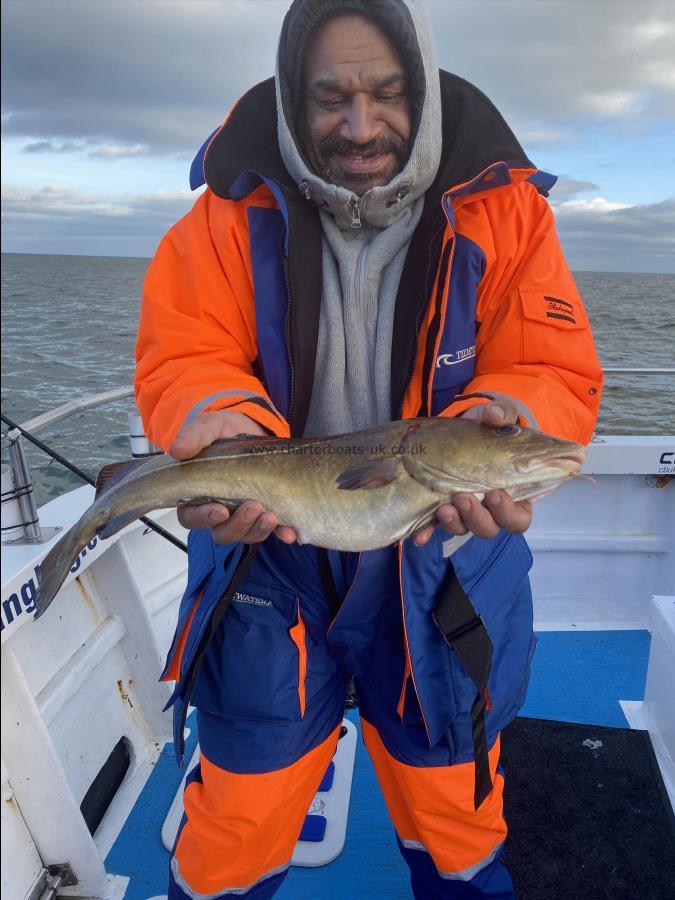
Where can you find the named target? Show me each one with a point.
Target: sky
(105, 103)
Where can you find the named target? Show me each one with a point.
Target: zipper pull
(356, 212)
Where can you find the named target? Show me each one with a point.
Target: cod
(353, 492)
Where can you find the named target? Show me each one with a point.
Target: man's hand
(249, 523)
(498, 510)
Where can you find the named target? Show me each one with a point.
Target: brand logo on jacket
(452, 359)
(241, 597)
(559, 309)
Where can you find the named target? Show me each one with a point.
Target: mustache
(334, 145)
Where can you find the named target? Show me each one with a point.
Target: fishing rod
(57, 457)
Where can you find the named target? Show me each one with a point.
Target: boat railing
(20, 520)
(52, 416)
(626, 370)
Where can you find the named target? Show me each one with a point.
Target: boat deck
(577, 676)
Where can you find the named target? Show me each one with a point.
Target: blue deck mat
(576, 677)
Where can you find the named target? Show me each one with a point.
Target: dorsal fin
(114, 472)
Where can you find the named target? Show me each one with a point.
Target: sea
(69, 326)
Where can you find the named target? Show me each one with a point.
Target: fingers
(208, 427)
(449, 520)
(466, 514)
(286, 534)
(250, 523)
(501, 411)
(498, 511)
(514, 517)
(192, 438)
(206, 515)
(475, 517)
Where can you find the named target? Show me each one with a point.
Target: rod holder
(20, 497)
(12, 529)
(140, 445)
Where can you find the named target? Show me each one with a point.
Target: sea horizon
(128, 256)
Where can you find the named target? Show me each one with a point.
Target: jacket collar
(475, 136)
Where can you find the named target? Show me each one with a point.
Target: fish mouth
(569, 462)
(547, 471)
(537, 490)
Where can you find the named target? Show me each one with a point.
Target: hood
(407, 27)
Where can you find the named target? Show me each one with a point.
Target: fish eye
(507, 430)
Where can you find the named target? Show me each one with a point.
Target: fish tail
(54, 568)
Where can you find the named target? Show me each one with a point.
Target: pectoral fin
(370, 475)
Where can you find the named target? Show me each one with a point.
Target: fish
(353, 492)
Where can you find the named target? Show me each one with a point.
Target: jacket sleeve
(534, 340)
(196, 342)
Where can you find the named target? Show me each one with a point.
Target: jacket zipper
(355, 204)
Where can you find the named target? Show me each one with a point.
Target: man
(383, 253)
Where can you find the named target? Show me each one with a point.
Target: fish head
(451, 455)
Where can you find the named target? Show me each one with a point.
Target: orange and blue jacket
(486, 304)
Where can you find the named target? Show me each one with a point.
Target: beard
(329, 167)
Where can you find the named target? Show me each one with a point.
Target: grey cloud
(120, 151)
(159, 74)
(90, 148)
(58, 219)
(163, 73)
(565, 188)
(544, 62)
(633, 239)
(594, 233)
(53, 147)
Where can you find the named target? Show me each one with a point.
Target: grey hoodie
(365, 240)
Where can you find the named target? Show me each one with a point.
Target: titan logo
(452, 359)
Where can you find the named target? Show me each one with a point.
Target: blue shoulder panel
(267, 235)
(543, 181)
(197, 168)
(454, 365)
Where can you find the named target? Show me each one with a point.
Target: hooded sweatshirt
(365, 239)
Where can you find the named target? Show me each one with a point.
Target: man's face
(356, 111)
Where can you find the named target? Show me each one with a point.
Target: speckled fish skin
(352, 492)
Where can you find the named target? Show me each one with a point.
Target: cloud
(53, 147)
(596, 233)
(608, 236)
(565, 188)
(59, 219)
(89, 148)
(162, 74)
(118, 151)
(593, 206)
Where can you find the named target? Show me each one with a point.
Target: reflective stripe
(466, 874)
(233, 892)
(233, 392)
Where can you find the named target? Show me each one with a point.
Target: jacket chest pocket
(255, 665)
